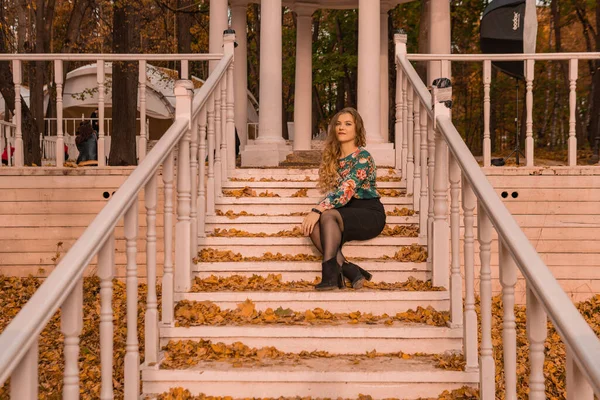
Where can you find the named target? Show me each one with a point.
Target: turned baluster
(218, 138)
(417, 152)
(456, 301)
(194, 188)
(210, 181)
(24, 379)
(19, 157)
(487, 141)
(132, 354)
(487, 374)
(151, 317)
(201, 207)
(143, 143)
(106, 268)
(529, 107)
(424, 197)
(71, 326)
(101, 139)
(224, 161)
(578, 387)
(470, 315)
(60, 141)
(572, 145)
(508, 279)
(168, 279)
(404, 129)
(536, 333)
(410, 163)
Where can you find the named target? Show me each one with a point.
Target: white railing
(70, 125)
(202, 120)
(7, 140)
(100, 60)
(430, 149)
(529, 60)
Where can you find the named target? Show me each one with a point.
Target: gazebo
(270, 148)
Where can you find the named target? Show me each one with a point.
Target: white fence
(203, 123)
(436, 162)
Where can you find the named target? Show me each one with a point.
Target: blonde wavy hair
(328, 171)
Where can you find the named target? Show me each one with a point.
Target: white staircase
(405, 366)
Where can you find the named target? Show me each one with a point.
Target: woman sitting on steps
(351, 210)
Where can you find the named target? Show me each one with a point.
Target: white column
(384, 73)
(270, 148)
(439, 37)
(218, 23)
(369, 85)
(271, 102)
(239, 24)
(303, 95)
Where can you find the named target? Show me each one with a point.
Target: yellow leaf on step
(309, 315)
(246, 309)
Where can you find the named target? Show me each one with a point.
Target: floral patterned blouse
(358, 174)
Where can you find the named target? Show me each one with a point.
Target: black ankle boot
(355, 274)
(331, 276)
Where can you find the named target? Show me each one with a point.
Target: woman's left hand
(309, 223)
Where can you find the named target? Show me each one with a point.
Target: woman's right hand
(309, 223)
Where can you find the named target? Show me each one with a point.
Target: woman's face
(345, 128)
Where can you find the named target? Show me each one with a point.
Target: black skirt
(363, 219)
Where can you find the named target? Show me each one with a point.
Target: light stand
(517, 149)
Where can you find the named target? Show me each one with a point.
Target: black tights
(327, 236)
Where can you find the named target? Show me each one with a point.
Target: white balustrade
(184, 91)
(424, 196)
(106, 266)
(470, 315)
(417, 154)
(194, 188)
(529, 71)
(572, 143)
(487, 141)
(17, 80)
(210, 180)
(101, 89)
(71, 326)
(63, 288)
(218, 138)
(143, 143)
(231, 152)
(462, 172)
(487, 374)
(508, 279)
(223, 132)
(60, 143)
(410, 158)
(456, 301)
(404, 151)
(168, 280)
(151, 346)
(400, 45)
(201, 207)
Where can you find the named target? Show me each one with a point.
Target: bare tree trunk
(421, 66)
(125, 85)
(184, 24)
(594, 132)
(340, 102)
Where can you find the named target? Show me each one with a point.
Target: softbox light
(509, 26)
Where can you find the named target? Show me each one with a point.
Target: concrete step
(385, 271)
(347, 300)
(339, 338)
(318, 377)
(256, 246)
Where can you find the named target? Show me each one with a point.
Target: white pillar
(271, 75)
(303, 95)
(218, 23)
(369, 64)
(270, 148)
(239, 24)
(439, 37)
(384, 74)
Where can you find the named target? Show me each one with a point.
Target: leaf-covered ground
(398, 230)
(412, 253)
(196, 313)
(14, 292)
(274, 283)
(397, 212)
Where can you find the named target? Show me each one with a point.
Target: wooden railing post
(424, 198)
(508, 279)
(101, 147)
(400, 40)
(218, 137)
(151, 317)
(143, 144)
(487, 374)
(442, 91)
(71, 326)
(168, 279)
(210, 180)
(529, 72)
(470, 315)
(106, 266)
(487, 141)
(183, 261)
(572, 145)
(132, 354)
(60, 141)
(224, 161)
(19, 157)
(410, 157)
(24, 379)
(456, 300)
(228, 48)
(578, 388)
(536, 333)
(417, 152)
(194, 188)
(201, 207)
